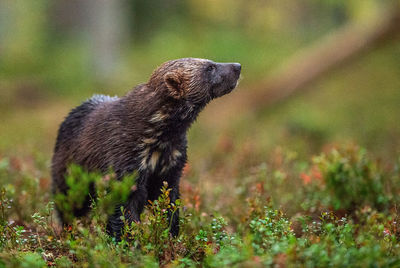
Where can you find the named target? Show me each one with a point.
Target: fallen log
(326, 55)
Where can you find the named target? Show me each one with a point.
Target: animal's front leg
(132, 209)
(173, 216)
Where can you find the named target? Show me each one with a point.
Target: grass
(339, 210)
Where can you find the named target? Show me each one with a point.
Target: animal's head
(196, 80)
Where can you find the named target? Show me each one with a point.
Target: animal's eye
(210, 68)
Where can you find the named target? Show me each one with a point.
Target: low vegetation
(338, 209)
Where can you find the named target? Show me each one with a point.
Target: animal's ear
(174, 84)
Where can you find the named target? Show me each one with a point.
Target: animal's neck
(161, 115)
(174, 118)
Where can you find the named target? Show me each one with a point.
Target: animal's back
(68, 132)
(72, 125)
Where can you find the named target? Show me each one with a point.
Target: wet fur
(143, 131)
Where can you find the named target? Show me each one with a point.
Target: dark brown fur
(143, 131)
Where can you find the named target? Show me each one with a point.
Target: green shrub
(347, 179)
(258, 236)
(152, 233)
(338, 242)
(104, 192)
(271, 233)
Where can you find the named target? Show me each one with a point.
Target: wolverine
(143, 131)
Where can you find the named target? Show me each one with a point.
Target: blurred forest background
(54, 54)
(316, 75)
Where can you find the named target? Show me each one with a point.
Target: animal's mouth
(227, 86)
(220, 90)
(232, 86)
(236, 83)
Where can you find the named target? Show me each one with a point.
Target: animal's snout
(236, 68)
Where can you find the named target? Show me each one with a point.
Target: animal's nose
(237, 67)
